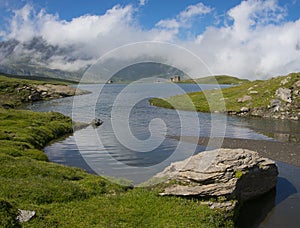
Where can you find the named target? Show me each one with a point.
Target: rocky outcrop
(284, 94)
(283, 103)
(48, 91)
(236, 174)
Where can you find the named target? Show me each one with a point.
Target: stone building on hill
(175, 79)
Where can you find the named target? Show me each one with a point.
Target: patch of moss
(238, 174)
(8, 214)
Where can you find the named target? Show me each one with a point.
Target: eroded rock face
(233, 173)
(284, 94)
(49, 91)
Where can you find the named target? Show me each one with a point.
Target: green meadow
(70, 197)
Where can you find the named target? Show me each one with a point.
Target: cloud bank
(254, 41)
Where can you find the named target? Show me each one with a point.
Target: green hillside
(220, 79)
(257, 98)
(41, 79)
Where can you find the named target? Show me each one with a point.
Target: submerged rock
(232, 173)
(96, 122)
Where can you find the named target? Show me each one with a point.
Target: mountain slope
(37, 57)
(146, 70)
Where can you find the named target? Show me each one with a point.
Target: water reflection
(273, 208)
(280, 130)
(255, 211)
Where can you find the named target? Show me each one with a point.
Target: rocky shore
(275, 98)
(283, 104)
(15, 92)
(50, 91)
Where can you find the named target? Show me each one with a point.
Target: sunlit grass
(212, 101)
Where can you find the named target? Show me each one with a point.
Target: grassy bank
(15, 91)
(64, 196)
(259, 95)
(70, 197)
(220, 79)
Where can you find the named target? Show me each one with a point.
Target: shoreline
(279, 151)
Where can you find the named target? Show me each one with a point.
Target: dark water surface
(138, 154)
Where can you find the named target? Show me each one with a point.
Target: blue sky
(252, 39)
(149, 13)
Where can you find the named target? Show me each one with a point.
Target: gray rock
(96, 122)
(245, 109)
(285, 81)
(274, 103)
(233, 173)
(244, 99)
(257, 112)
(297, 84)
(25, 216)
(253, 92)
(226, 205)
(35, 96)
(284, 94)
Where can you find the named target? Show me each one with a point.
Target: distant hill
(146, 70)
(221, 79)
(40, 78)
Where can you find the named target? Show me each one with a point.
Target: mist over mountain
(146, 70)
(38, 58)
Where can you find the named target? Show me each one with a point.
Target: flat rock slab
(233, 173)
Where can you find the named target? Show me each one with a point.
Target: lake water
(131, 143)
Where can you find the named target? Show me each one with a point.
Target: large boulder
(232, 173)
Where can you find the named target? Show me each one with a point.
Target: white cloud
(257, 43)
(183, 19)
(252, 14)
(143, 2)
(194, 10)
(169, 24)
